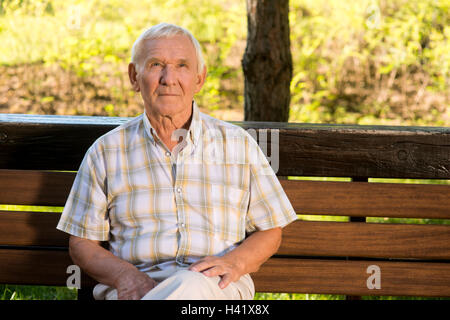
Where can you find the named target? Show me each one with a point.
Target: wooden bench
(40, 155)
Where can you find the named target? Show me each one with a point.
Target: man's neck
(165, 126)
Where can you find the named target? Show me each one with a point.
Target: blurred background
(355, 62)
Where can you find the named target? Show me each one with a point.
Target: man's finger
(225, 281)
(201, 265)
(214, 271)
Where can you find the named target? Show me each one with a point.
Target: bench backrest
(39, 156)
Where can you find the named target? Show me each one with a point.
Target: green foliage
(370, 62)
(93, 39)
(366, 61)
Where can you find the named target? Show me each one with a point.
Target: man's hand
(132, 284)
(212, 266)
(108, 269)
(246, 258)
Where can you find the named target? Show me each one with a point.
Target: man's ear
(132, 74)
(201, 77)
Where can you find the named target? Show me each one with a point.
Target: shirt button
(183, 225)
(168, 153)
(179, 190)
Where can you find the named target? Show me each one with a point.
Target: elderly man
(187, 204)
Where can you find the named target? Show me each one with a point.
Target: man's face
(167, 76)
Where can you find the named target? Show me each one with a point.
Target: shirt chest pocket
(229, 207)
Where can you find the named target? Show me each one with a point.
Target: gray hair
(163, 30)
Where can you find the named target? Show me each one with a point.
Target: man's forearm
(246, 258)
(256, 249)
(96, 261)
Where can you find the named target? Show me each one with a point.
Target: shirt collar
(195, 129)
(148, 128)
(194, 132)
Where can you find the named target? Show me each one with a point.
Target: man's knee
(192, 285)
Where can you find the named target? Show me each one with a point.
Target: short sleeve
(269, 207)
(85, 211)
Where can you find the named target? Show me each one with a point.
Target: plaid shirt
(156, 206)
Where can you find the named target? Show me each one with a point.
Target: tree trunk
(267, 61)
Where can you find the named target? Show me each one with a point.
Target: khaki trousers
(178, 283)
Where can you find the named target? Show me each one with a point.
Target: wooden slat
(31, 187)
(366, 240)
(365, 199)
(301, 238)
(59, 143)
(36, 267)
(350, 277)
(31, 229)
(40, 267)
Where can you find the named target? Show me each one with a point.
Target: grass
(16, 292)
(296, 296)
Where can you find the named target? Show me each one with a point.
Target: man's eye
(155, 64)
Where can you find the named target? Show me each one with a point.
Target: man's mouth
(168, 94)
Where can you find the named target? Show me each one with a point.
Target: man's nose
(168, 76)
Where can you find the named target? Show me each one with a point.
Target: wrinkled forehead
(178, 47)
